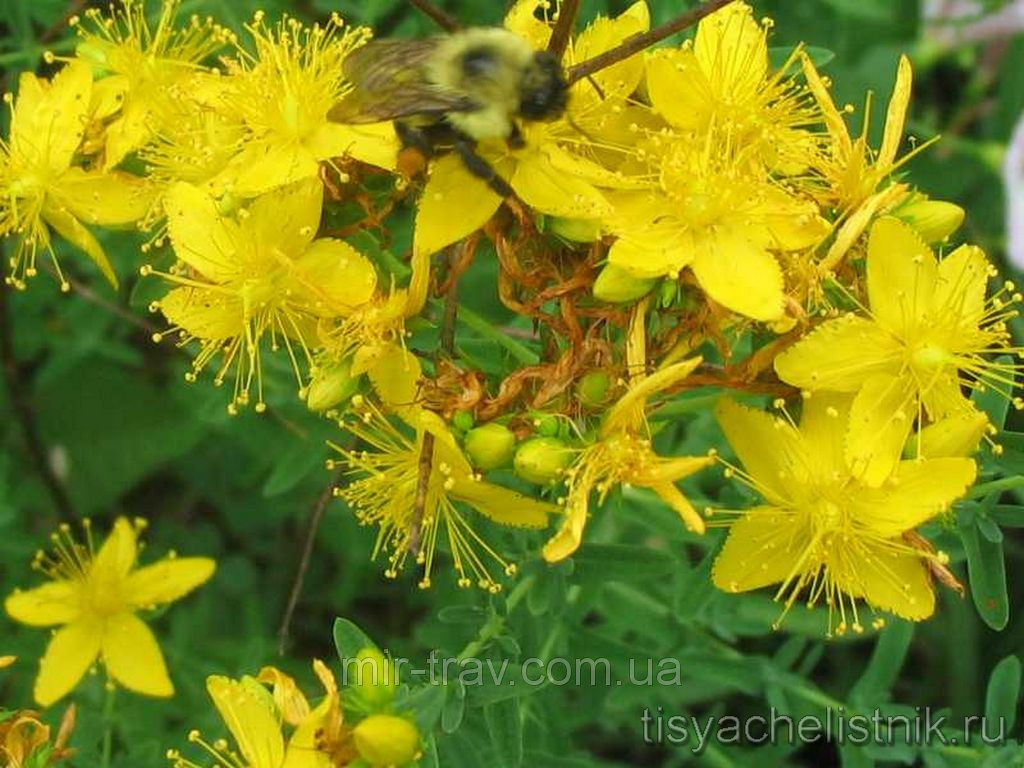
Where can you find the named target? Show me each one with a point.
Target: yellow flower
(94, 597)
(260, 274)
(40, 187)
(558, 171)
(255, 718)
(622, 453)
(385, 481)
(720, 216)
(143, 68)
(282, 93)
(821, 532)
(721, 83)
(928, 333)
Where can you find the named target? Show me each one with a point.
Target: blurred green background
(125, 435)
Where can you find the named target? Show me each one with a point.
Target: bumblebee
(453, 91)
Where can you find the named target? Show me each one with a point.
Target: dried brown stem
(435, 14)
(25, 415)
(315, 519)
(567, 11)
(643, 40)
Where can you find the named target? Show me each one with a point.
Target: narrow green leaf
(886, 661)
(1003, 693)
(991, 400)
(621, 562)
(454, 708)
(349, 639)
(987, 571)
(505, 728)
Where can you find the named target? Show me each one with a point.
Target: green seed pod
(385, 740)
(462, 421)
(376, 678)
(617, 286)
(542, 460)
(546, 425)
(331, 386)
(576, 230)
(490, 446)
(593, 390)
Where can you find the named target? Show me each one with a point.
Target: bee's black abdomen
(545, 92)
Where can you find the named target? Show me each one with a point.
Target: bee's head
(544, 92)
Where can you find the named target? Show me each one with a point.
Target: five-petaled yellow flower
(42, 188)
(821, 533)
(928, 334)
(94, 597)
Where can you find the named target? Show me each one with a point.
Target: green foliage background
(130, 437)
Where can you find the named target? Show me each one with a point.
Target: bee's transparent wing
(390, 83)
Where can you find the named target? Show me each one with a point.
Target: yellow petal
(454, 204)
(108, 199)
(396, 375)
(167, 580)
(603, 34)
(954, 436)
(839, 355)
(739, 275)
(960, 288)
(129, 132)
(653, 250)
(49, 118)
(569, 536)
(678, 88)
(205, 314)
(201, 237)
(896, 115)
(336, 277)
(892, 579)
(502, 505)
(880, 420)
(133, 657)
(919, 491)
(771, 451)
(374, 144)
(731, 49)
(290, 701)
(117, 555)
(546, 180)
(764, 547)
(247, 709)
(70, 653)
(285, 219)
(901, 273)
(672, 496)
(823, 422)
(628, 411)
(264, 165)
(521, 19)
(56, 602)
(72, 230)
(834, 122)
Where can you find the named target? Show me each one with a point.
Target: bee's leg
(515, 139)
(414, 138)
(481, 168)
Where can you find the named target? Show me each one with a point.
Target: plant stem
(496, 623)
(108, 724)
(1002, 484)
(485, 328)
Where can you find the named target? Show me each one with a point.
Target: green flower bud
(376, 678)
(934, 220)
(92, 53)
(593, 389)
(546, 425)
(463, 421)
(577, 230)
(618, 286)
(542, 460)
(385, 741)
(331, 386)
(490, 446)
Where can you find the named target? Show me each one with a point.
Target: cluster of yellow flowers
(699, 217)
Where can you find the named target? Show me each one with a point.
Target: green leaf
(621, 562)
(454, 707)
(462, 614)
(987, 571)
(885, 665)
(505, 728)
(349, 639)
(293, 464)
(425, 702)
(1003, 693)
(992, 401)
